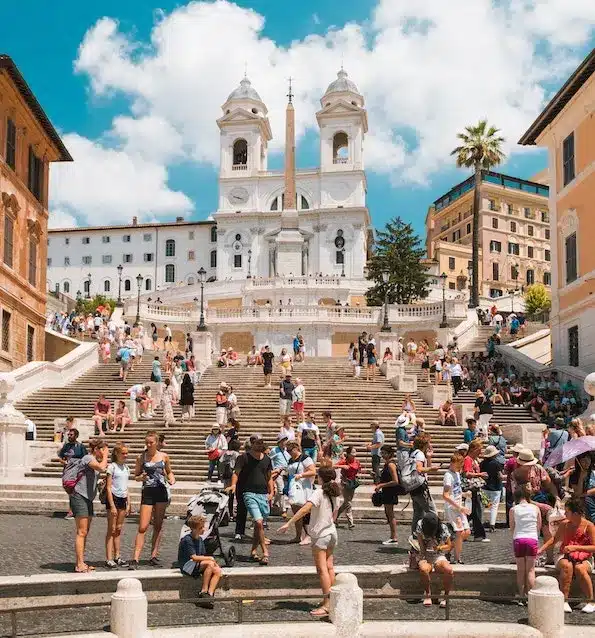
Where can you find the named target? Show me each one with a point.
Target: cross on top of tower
(290, 94)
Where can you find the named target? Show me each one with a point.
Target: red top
(509, 467)
(102, 407)
(469, 465)
(350, 472)
(577, 537)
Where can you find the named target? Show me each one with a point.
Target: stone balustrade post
(13, 431)
(202, 346)
(346, 610)
(129, 607)
(546, 607)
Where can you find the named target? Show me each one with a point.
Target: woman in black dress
(187, 397)
(388, 486)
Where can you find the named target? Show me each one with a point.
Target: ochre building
(28, 143)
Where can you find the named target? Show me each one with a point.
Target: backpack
(73, 473)
(226, 466)
(409, 478)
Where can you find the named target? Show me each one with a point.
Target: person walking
(117, 505)
(388, 488)
(483, 412)
(221, 404)
(374, 449)
(492, 490)
(298, 398)
(525, 523)
(153, 470)
(474, 480)
(280, 459)
(215, 444)
(267, 365)
(350, 467)
(187, 397)
(301, 471)
(420, 497)
(456, 375)
(285, 395)
(371, 359)
(308, 437)
(168, 398)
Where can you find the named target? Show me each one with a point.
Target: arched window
(304, 204)
(106, 285)
(66, 286)
(530, 277)
(148, 284)
(170, 273)
(547, 279)
(170, 248)
(213, 234)
(127, 285)
(213, 259)
(190, 280)
(340, 148)
(275, 204)
(240, 153)
(57, 288)
(87, 287)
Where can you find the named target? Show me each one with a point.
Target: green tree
(397, 251)
(481, 149)
(87, 306)
(537, 300)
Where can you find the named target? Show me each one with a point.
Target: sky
(135, 89)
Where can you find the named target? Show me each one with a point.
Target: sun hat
(462, 447)
(281, 436)
(490, 451)
(518, 447)
(402, 421)
(526, 457)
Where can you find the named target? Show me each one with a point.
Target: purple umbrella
(570, 450)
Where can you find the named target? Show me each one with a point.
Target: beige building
(514, 234)
(28, 143)
(566, 128)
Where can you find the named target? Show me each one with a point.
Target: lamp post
(201, 277)
(89, 288)
(343, 263)
(470, 285)
(139, 281)
(385, 326)
(444, 323)
(79, 295)
(249, 276)
(120, 268)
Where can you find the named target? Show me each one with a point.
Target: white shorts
(457, 520)
(284, 406)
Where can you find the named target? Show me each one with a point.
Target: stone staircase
(478, 343)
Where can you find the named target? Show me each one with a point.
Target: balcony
(239, 167)
(340, 160)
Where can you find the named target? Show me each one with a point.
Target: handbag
(214, 455)
(297, 493)
(234, 413)
(377, 499)
(351, 484)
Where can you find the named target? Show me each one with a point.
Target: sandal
(442, 604)
(427, 602)
(320, 612)
(264, 560)
(254, 558)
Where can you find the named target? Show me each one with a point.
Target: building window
(213, 259)
(170, 273)
(127, 285)
(530, 277)
(456, 235)
(571, 261)
(105, 239)
(30, 343)
(87, 287)
(340, 148)
(240, 153)
(190, 255)
(35, 177)
(451, 263)
(568, 158)
(66, 286)
(11, 144)
(126, 239)
(495, 292)
(513, 249)
(67, 240)
(106, 286)
(8, 239)
(468, 229)
(49, 261)
(513, 227)
(547, 278)
(451, 285)
(530, 252)
(509, 209)
(213, 234)
(545, 216)
(495, 271)
(494, 222)
(573, 359)
(190, 281)
(148, 257)
(127, 258)
(6, 316)
(237, 261)
(304, 203)
(106, 259)
(86, 240)
(514, 272)
(147, 237)
(530, 230)
(495, 246)
(275, 204)
(67, 261)
(527, 212)
(340, 257)
(33, 261)
(547, 233)
(548, 255)
(170, 248)
(190, 234)
(148, 284)
(87, 260)
(491, 204)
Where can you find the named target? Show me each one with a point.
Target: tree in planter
(537, 300)
(86, 306)
(481, 149)
(397, 251)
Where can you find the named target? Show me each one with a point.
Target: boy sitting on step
(193, 560)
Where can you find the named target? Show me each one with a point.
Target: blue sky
(92, 66)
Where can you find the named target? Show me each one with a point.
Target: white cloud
(61, 219)
(426, 69)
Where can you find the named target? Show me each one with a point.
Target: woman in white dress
(301, 471)
(176, 378)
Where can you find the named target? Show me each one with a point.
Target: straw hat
(518, 447)
(526, 457)
(402, 421)
(462, 447)
(490, 451)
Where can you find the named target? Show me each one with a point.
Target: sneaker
(567, 608)
(351, 526)
(485, 540)
(155, 562)
(69, 516)
(589, 608)
(121, 563)
(237, 537)
(390, 541)
(111, 564)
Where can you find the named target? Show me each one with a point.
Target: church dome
(342, 83)
(244, 92)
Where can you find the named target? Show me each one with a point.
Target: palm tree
(481, 149)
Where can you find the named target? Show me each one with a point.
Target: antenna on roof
(245, 69)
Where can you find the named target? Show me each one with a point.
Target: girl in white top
(525, 523)
(301, 471)
(455, 513)
(322, 505)
(117, 505)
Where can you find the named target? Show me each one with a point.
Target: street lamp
(89, 288)
(385, 326)
(79, 295)
(201, 277)
(343, 263)
(249, 276)
(120, 268)
(444, 323)
(139, 282)
(470, 285)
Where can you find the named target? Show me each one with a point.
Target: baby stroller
(213, 504)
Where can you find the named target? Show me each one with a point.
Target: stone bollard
(129, 610)
(546, 607)
(346, 610)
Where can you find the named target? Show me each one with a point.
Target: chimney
(179, 219)
(135, 220)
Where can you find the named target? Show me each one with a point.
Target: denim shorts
(257, 505)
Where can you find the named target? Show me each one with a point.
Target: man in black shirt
(285, 393)
(253, 472)
(267, 359)
(362, 342)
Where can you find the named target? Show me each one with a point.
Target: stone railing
(298, 281)
(466, 331)
(291, 313)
